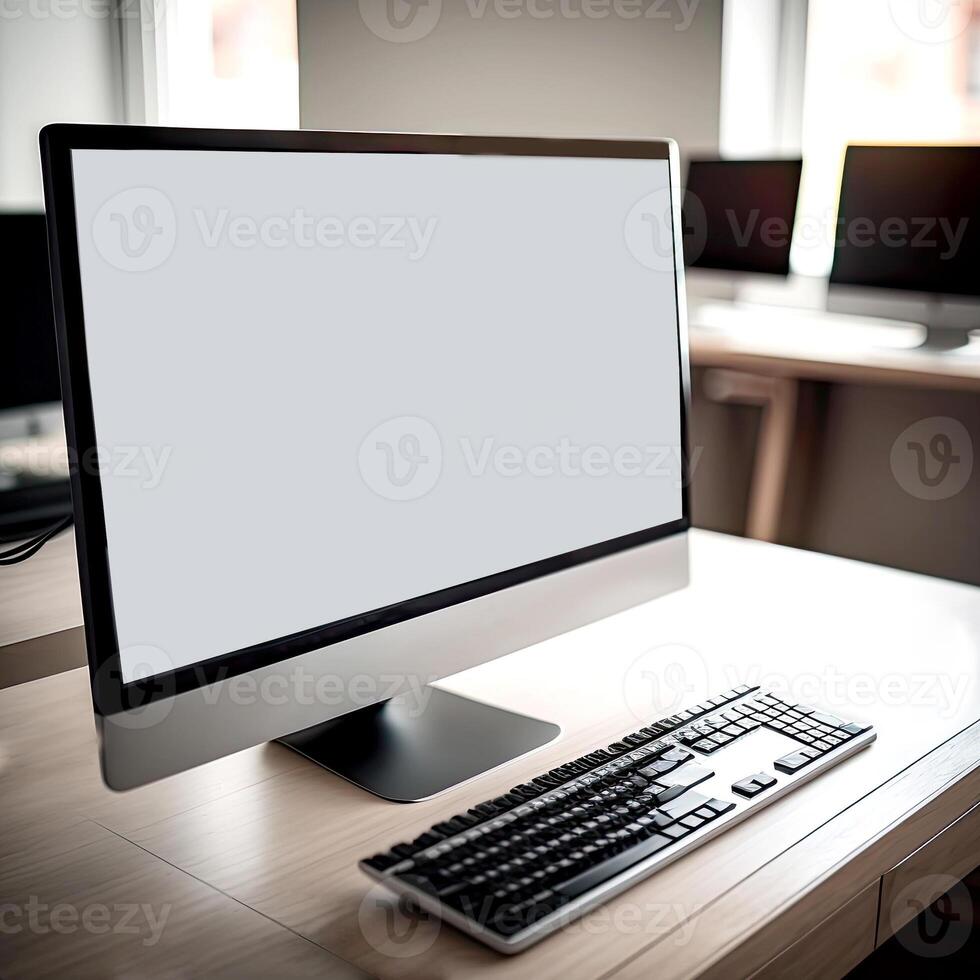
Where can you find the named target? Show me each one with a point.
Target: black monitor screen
(739, 214)
(27, 338)
(909, 218)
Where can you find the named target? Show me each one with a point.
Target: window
(879, 71)
(217, 63)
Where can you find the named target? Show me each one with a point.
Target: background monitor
(909, 219)
(33, 485)
(739, 214)
(400, 402)
(27, 336)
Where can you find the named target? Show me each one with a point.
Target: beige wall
(478, 70)
(847, 501)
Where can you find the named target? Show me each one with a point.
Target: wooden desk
(761, 355)
(252, 858)
(41, 614)
(812, 350)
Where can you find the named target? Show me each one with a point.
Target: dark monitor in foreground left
(33, 489)
(27, 337)
(739, 214)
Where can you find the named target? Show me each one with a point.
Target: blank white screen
(237, 381)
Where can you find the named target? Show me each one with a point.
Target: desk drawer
(924, 875)
(832, 948)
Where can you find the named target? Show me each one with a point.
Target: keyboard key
(683, 805)
(381, 862)
(795, 761)
(832, 721)
(616, 865)
(681, 780)
(753, 785)
(720, 806)
(855, 728)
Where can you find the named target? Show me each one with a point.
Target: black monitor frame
(57, 141)
(33, 382)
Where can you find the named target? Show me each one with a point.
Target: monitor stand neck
(410, 749)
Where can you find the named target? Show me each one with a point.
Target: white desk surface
(811, 345)
(255, 854)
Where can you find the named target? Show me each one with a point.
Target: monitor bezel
(110, 693)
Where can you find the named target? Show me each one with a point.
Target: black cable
(32, 546)
(9, 537)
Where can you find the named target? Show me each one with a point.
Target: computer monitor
(33, 489)
(27, 340)
(908, 222)
(390, 406)
(739, 214)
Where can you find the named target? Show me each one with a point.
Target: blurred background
(836, 378)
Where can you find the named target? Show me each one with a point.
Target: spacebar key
(588, 880)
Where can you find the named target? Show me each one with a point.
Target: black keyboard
(512, 869)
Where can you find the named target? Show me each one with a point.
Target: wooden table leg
(777, 397)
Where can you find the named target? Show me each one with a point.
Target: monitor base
(407, 750)
(945, 338)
